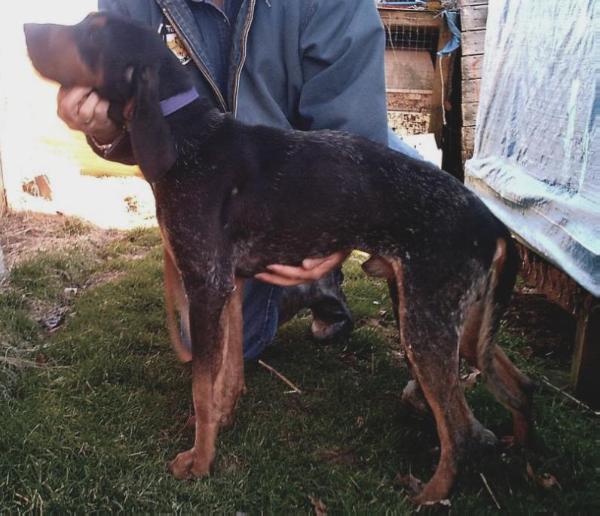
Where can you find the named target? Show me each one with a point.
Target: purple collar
(179, 101)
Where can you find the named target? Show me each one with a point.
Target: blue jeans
(261, 316)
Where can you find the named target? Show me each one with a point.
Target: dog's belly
(252, 258)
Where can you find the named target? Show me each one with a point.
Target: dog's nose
(35, 35)
(32, 30)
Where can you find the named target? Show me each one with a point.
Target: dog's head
(124, 62)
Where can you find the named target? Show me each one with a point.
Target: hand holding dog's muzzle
(82, 109)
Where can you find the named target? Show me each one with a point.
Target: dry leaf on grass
(343, 456)
(470, 380)
(319, 505)
(545, 480)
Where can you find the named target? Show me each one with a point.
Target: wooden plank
(465, 3)
(585, 371)
(473, 42)
(407, 100)
(468, 139)
(471, 67)
(473, 17)
(391, 17)
(471, 91)
(470, 114)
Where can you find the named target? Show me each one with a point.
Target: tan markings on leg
(175, 302)
(216, 388)
(223, 382)
(469, 337)
(485, 345)
(229, 382)
(197, 461)
(512, 388)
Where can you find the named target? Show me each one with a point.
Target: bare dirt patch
(25, 234)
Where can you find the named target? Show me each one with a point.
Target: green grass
(94, 428)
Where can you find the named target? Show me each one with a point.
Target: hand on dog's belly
(311, 269)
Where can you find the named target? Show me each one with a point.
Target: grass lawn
(92, 411)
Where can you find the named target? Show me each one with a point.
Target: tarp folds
(536, 162)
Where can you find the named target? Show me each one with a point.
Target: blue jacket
(303, 64)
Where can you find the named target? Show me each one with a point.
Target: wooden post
(585, 372)
(473, 17)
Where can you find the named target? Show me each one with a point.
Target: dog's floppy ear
(151, 139)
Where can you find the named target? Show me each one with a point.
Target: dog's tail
(497, 293)
(176, 303)
(509, 385)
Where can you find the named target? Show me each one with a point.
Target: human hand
(312, 269)
(83, 110)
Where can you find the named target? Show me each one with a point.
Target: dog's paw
(189, 465)
(431, 495)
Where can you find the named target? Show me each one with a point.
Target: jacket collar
(181, 17)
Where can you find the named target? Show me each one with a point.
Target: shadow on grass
(94, 429)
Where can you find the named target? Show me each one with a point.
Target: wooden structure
(542, 276)
(559, 288)
(423, 83)
(473, 16)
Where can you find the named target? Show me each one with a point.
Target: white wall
(33, 140)
(27, 104)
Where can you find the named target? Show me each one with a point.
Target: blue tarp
(536, 162)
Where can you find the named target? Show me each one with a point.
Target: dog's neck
(180, 101)
(198, 114)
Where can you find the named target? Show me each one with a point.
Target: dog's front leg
(217, 368)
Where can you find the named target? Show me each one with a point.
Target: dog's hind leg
(217, 369)
(509, 385)
(429, 337)
(514, 390)
(379, 267)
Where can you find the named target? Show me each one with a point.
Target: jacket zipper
(197, 61)
(243, 46)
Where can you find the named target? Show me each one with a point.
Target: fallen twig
(545, 381)
(280, 376)
(21, 363)
(485, 483)
(18, 362)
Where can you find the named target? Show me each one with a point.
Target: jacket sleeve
(342, 47)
